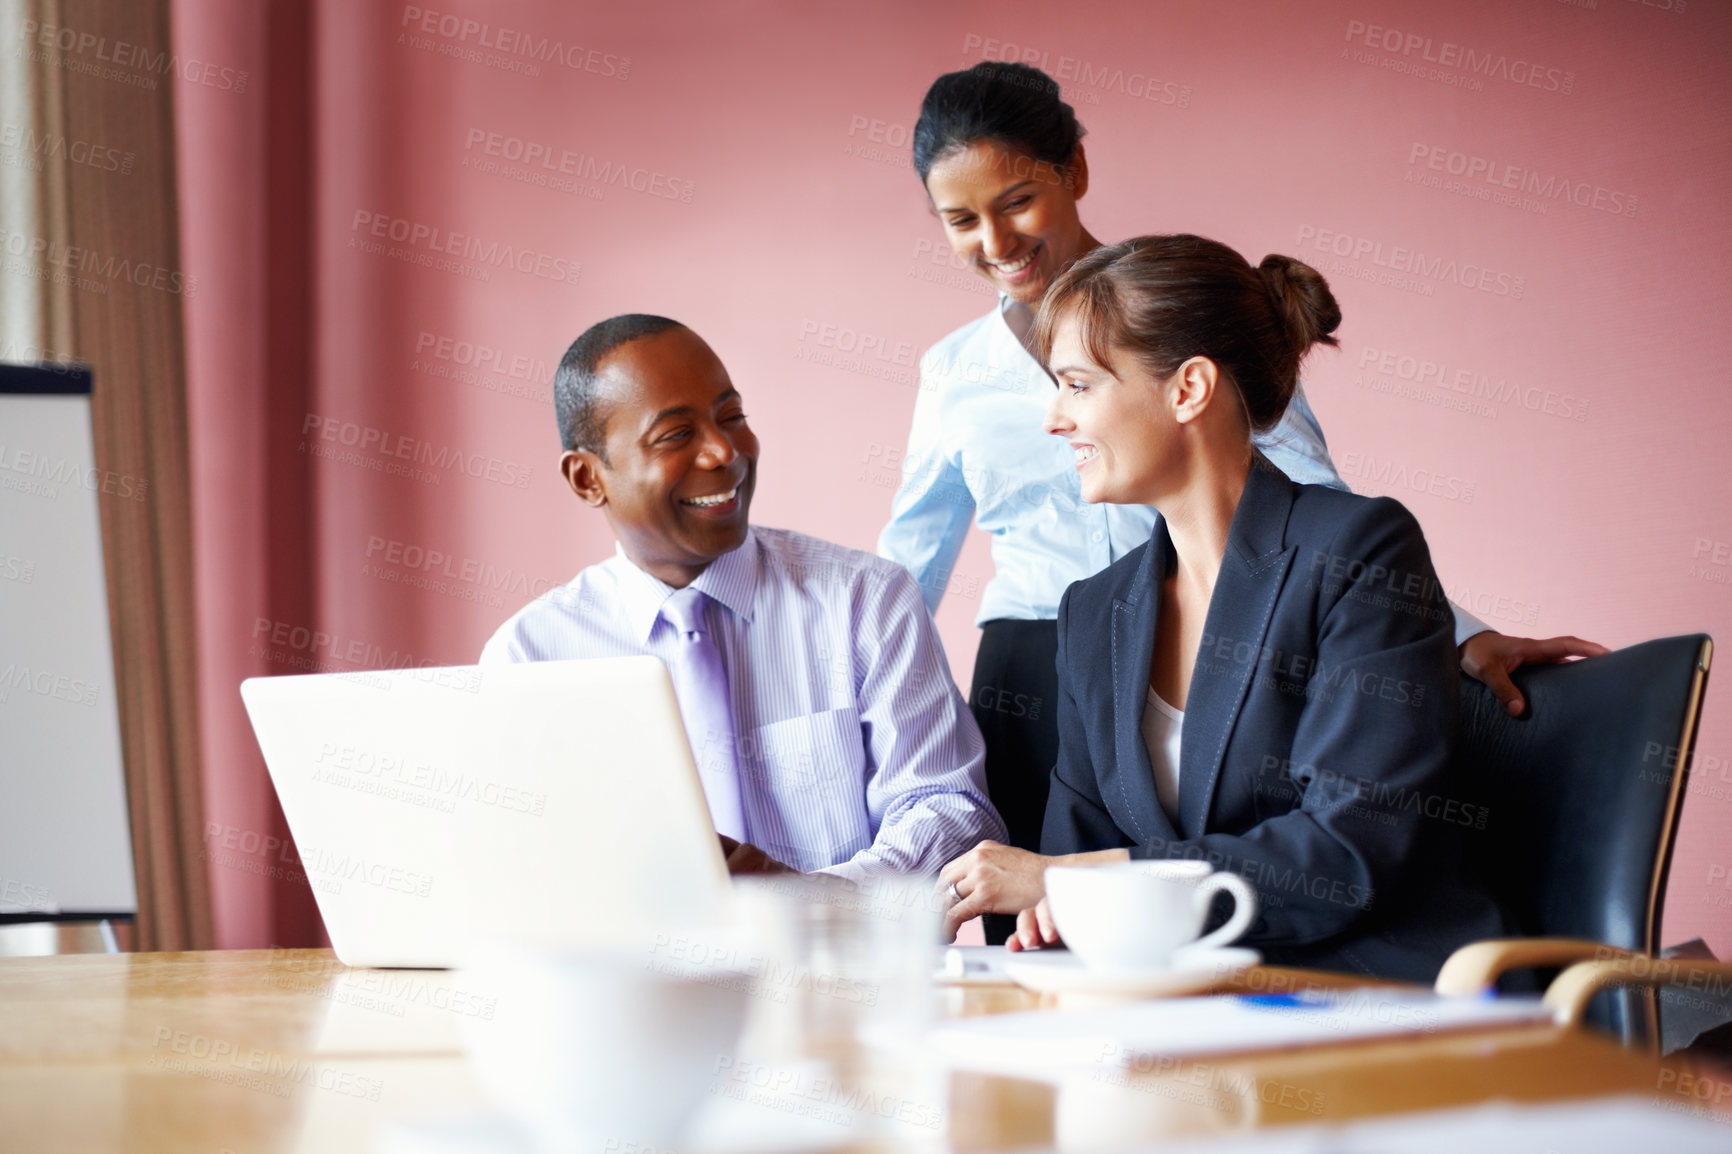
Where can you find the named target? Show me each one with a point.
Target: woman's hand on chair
(1491, 657)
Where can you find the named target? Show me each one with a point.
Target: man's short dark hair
(581, 416)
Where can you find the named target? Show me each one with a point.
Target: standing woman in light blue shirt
(1001, 157)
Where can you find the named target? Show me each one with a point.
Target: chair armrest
(1476, 967)
(1573, 989)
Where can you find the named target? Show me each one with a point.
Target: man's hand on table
(746, 858)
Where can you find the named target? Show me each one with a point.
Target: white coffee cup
(1134, 915)
(592, 1050)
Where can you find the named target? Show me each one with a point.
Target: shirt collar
(1017, 317)
(1018, 322)
(731, 579)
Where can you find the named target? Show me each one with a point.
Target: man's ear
(1194, 386)
(582, 471)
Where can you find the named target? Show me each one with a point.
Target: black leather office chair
(1583, 792)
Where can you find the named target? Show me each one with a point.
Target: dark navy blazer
(1316, 756)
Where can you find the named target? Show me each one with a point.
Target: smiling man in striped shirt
(828, 731)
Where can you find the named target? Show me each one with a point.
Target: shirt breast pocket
(806, 777)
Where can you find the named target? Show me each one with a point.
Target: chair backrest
(1583, 793)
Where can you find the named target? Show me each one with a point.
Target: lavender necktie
(701, 684)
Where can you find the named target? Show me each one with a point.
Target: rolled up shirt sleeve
(925, 781)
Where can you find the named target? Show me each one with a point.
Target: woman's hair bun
(1165, 299)
(1303, 303)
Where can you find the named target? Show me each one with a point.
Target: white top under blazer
(1162, 727)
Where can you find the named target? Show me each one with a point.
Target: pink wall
(223, 238)
(1584, 496)
(243, 188)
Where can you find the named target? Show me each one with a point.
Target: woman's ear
(1194, 386)
(1077, 172)
(582, 472)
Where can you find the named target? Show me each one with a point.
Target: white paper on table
(1596, 1126)
(788, 1115)
(1048, 1043)
(975, 966)
(1625, 1125)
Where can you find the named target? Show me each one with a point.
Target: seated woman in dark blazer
(1269, 684)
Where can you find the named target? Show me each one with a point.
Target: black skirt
(1014, 698)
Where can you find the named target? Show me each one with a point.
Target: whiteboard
(65, 843)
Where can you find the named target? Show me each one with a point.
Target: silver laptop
(549, 802)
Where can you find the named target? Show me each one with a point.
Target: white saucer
(1191, 971)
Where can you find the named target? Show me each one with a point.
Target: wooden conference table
(102, 1053)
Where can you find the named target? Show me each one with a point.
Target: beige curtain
(108, 292)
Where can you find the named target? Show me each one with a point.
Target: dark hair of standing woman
(1014, 104)
(1166, 299)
